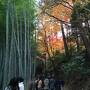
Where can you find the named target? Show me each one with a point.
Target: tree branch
(62, 21)
(57, 3)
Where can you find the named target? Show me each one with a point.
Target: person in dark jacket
(13, 84)
(57, 85)
(52, 83)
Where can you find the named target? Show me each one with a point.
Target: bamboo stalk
(6, 55)
(25, 44)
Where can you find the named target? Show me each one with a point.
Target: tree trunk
(84, 38)
(46, 45)
(65, 41)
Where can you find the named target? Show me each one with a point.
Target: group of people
(48, 83)
(40, 83)
(16, 83)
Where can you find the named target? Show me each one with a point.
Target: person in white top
(39, 84)
(21, 86)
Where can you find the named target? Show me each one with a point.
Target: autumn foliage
(51, 30)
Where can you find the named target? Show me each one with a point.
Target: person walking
(36, 83)
(40, 84)
(57, 84)
(46, 84)
(20, 83)
(13, 84)
(62, 85)
(52, 83)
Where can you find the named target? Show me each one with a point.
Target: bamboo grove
(23, 49)
(16, 58)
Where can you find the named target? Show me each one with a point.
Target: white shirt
(39, 83)
(21, 86)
